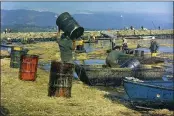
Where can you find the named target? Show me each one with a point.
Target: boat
(90, 41)
(150, 94)
(101, 75)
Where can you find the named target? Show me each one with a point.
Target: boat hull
(150, 93)
(97, 75)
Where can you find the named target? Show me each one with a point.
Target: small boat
(151, 94)
(92, 41)
(101, 75)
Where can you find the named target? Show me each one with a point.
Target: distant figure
(6, 30)
(113, 43)
(93, 37)
(9, 40)
(159, 27)
(153, 47)
(131, 27)
(142, 27)
(124, 46)
(9, 30)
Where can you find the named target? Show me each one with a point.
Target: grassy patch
(24, 98)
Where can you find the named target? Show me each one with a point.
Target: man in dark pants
(112, 60)
(153, 47)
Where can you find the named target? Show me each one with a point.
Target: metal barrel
(139, 53)
(60, 82)
(15, 56)
(132, 63)
(28, 67)
(69, 25)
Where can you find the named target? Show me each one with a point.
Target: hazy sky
(90, 7)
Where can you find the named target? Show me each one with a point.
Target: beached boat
(151, 94)
(100, 75)
(90, 41)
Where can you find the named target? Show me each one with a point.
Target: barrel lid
(60, 62)
(17, 48)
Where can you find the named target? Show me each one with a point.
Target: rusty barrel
(28, 67)
(60, 82)
(15, 56)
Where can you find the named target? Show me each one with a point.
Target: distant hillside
(90, 21)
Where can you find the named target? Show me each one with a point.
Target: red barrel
(28, 67)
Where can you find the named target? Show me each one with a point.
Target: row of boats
(145, 87)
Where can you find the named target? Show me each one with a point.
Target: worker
(93, 37)
(9, 40)
(24, 40)
(153, 47)
(66, 48)
(113, 57)
(6, 30)
(124, 45)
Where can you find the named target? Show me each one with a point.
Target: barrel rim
(55, 61)
(13, 48)
(77, 28)
(30, 55)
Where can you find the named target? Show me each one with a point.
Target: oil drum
(132, 63)
(15, 56)
(69, 26)
(60, 81)
(28, 68)
(139, 53)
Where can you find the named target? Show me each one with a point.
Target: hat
(153, 37)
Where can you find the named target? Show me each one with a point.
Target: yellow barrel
(17, 48)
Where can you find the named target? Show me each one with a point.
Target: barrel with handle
(69, 25)
(15, 56)
(60, 81)
(28, 68)
(132, 63)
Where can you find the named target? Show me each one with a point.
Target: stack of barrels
(61, 74)
(27, 64)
